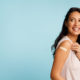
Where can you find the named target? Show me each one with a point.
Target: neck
(73, 38)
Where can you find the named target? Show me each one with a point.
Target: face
(73, 23)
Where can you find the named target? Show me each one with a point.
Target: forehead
(74, 15)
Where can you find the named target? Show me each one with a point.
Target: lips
(76, 28)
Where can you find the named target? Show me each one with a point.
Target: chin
(76, 34)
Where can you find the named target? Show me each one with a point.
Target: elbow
(54, 76)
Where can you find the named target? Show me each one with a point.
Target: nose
(76, 23)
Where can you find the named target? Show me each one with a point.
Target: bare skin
(59, 60)
(76, 48)
(74, 21)
(73, 25)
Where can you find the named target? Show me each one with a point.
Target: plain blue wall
(27, 31)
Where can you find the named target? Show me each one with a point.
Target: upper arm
(60, 57)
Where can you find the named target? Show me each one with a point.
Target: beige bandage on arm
(63, 48)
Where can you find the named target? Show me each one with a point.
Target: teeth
(75, 29)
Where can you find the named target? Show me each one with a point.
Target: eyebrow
(74, 17)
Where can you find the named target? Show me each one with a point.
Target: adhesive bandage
(63, 48)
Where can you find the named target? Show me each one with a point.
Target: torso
(71, 68)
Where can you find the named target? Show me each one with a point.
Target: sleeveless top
(71, 68)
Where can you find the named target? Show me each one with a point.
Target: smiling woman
(73, 23)
(66, 65)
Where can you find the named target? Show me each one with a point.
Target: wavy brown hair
(64, 30)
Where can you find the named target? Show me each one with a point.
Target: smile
(76, 28)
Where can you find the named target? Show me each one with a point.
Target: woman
(66, 64)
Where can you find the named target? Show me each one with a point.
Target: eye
(79, 20)
(71, 20)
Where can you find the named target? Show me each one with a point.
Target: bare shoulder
(64, 47)
(63, 50)
(65, 44)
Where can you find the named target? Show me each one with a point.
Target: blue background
(28, 28)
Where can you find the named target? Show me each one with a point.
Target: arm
(59, 60)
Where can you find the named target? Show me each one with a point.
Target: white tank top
(71, 68)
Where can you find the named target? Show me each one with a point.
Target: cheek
(71, 25)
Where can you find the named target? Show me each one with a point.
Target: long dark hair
(64, 30)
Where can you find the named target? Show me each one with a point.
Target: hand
(76, 48)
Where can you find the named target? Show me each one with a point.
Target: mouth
(76, 29)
